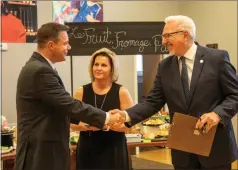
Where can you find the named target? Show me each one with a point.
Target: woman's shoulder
(89, 85)
(83, 87)
(122, 89)
(116, 85)
(79, 92)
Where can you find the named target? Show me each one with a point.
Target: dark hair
(49, 32)
(105, 55)
(4, 8)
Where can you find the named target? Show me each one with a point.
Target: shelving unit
(22, 3)
(26, 11)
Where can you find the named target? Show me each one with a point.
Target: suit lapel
(61, 82)
(38, 56)
(197, 68)
(177, 80)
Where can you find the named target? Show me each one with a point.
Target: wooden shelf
(31, 33)
(21, 3)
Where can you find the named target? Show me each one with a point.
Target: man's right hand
(117, 117)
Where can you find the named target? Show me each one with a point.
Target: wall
(139, 10)
(216, 22)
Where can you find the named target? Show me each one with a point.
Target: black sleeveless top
(102, 149)
(112, 100)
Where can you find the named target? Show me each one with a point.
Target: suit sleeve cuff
(128, 119)
(221, 120)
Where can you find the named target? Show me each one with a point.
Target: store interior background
(216, 22)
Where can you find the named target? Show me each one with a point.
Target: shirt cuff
(128, 119)
(107, 118)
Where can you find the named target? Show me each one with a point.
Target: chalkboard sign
(124, 38)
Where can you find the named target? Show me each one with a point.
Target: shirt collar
(50, 62)
(190, 54)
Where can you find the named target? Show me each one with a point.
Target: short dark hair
(49, 32)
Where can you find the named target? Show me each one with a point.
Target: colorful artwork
(19, 21)
(77, 11)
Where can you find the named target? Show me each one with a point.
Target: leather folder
(184, 137)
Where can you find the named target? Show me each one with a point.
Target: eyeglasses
(168, 35)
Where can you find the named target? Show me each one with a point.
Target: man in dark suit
(44, 107)
(198, 81)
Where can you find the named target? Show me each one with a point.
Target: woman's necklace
(95, 100)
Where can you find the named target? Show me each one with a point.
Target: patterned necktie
(184, 78)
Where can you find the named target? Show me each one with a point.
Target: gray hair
(185, 24)
(113, 61)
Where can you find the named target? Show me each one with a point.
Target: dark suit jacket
(43, 111)
(214, 87)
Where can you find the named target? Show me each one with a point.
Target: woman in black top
(99, 149)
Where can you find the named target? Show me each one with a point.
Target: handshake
(117, 118)
(115, 122)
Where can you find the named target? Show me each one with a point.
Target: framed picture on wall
(77, 11)
(19, 21)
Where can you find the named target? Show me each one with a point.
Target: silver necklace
(95, 100)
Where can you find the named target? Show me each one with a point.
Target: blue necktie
(184, 78)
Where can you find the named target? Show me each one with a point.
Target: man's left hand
(210, 119)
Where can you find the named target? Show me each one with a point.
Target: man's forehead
(63, 35)
(170, 26)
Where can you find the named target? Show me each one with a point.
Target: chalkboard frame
(124, 38)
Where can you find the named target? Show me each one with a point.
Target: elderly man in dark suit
(197, 81)
(44, 107)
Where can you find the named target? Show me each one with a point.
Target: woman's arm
(125, 99)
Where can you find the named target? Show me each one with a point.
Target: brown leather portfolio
(183, 136)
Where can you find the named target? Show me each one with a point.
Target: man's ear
(186, 35)
(50, 45)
